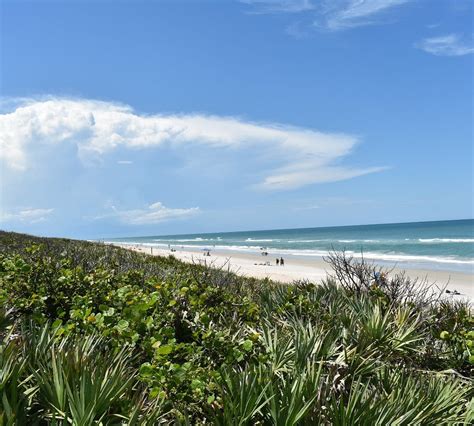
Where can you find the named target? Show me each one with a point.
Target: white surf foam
(385, 257)
(446, 240)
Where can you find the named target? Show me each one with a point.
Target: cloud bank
(446, 45)
(300, 156)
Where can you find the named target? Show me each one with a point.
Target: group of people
(280, 261)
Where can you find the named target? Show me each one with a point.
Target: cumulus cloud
(300, 156)
(26, 215)
(446, 45)
(153, 214)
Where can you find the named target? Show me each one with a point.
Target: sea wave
(342, 241)
(395, 257)
(305, 241)
(328, 240)
(187, 240)
(389, 257)
(367, 241)
(377, 256)
(446, 240)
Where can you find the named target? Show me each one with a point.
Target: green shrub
(95, 334)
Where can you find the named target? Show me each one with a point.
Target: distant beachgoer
(282, 262)
(380, 278)
(376, 278)
(278, 261)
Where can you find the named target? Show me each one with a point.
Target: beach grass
(96, 334)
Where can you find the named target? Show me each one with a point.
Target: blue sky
(159, 117)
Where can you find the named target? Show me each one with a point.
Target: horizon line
(288, 229)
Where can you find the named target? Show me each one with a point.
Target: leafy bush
(95, 334)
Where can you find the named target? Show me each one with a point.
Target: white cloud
(303, 156)
(153, 214)
(273, 6)
(345, 14)
(447, 45)
(124, 162)
(291, 178)
(26, 215)
(333, 15)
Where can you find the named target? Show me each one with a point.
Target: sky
(129, 118)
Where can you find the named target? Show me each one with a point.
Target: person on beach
(278, 261)
(282, 262)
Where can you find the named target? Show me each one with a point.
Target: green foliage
(94, 334)
(12, 380)
(77, 380)
(455, 328)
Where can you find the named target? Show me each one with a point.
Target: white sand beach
(298, 268)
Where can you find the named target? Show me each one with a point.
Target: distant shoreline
(439, 246)
(296, 268)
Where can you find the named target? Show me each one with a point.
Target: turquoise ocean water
(444, 245)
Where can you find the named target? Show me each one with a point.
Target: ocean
(441, 245)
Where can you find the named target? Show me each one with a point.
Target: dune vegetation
(95, 334)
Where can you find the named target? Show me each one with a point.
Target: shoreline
(296, 268)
